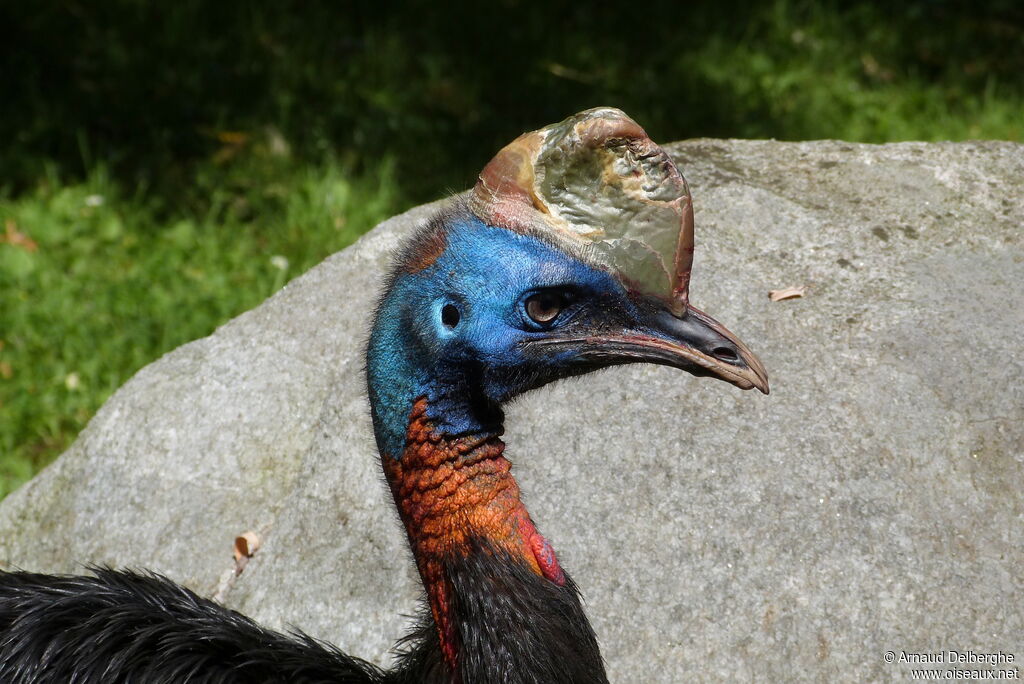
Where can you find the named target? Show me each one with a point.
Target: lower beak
(693, 342)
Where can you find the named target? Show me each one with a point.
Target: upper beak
(698, 343)
(693, 342)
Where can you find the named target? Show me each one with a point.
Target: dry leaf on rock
(245, 546)
(791, 292)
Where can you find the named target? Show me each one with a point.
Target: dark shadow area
(154, 88)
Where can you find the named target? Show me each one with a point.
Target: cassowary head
(572, 253)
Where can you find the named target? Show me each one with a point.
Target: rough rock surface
(873, 502)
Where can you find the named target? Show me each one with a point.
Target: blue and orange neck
(456, 497)
(438, 430)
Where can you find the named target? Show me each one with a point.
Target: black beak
(693, 342)
(697, 343)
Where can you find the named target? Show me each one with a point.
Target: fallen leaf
(16, 238)
(791, 292)
(246, 545)
(232, 137)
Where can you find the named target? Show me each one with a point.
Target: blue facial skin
(466, 369)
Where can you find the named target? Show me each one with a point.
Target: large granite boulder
(872, 503)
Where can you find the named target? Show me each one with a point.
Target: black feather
(517, 627)
(131, 627)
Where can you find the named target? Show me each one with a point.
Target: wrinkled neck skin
(500, 605)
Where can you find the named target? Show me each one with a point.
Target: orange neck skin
(452, 493)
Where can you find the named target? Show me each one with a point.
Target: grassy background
(167, 166)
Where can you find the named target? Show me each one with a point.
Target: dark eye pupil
(450, 315)
(544, 307)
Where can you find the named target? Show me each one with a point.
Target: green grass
(862, 76)
(100, 283)
(185, 160)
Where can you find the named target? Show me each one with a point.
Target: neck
(457, 498)
(501, 607)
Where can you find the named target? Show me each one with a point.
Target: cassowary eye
(544, 307)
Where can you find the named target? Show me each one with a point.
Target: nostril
(725, 354)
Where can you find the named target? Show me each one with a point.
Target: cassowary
(571, 254)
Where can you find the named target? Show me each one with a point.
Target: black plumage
(122, 626)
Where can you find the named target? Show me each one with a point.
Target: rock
(873, 502)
